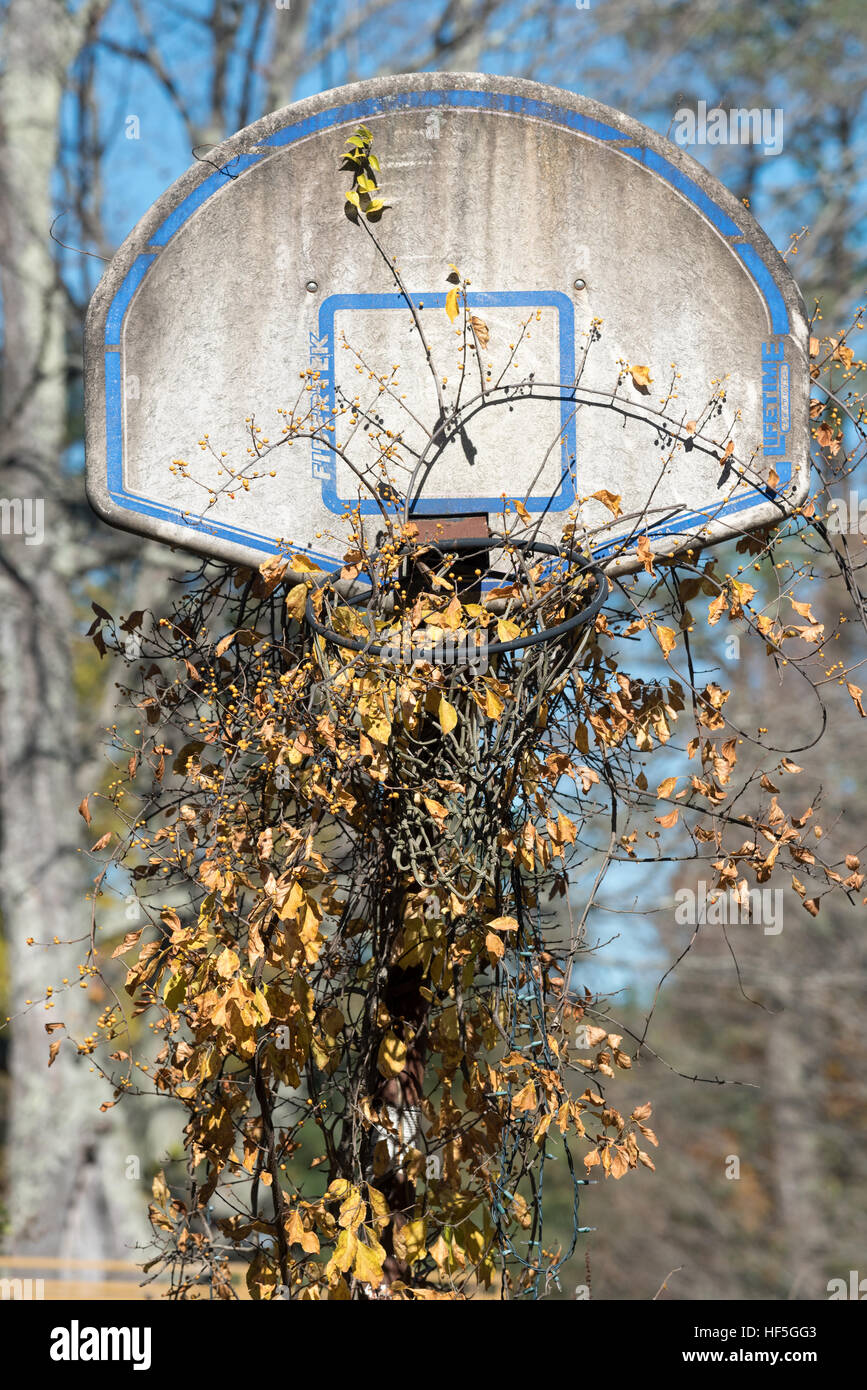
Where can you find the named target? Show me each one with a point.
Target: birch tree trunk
(795, 1119)
(62, 1188)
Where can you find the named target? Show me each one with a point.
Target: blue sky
(137, 170)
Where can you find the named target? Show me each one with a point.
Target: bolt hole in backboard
(643, 337)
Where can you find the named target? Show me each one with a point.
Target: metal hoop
(469, 543)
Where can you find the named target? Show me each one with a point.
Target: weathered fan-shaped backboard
(594, 248)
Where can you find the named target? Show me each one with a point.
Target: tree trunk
(62, 1189)
(794, 1119)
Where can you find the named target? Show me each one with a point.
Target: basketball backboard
(642, 338)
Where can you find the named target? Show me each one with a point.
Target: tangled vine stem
(360, 950)
(363, 931)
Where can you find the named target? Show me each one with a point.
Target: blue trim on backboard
(324, 120)
(146, 505)
(766, 283)
(694, 521)
(456, 99)
(200, 195)
(121, 302)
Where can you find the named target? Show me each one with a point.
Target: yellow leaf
(503, 924)
(507, 630)
(448, 715)
(296, 602)
(353, 1210)
(744, 592)
(127, 944)
(332, 1022)
(160, 1190)
(369, 1260)
(304, 565)
(641, 378)
(493, 705)
(175, 990)
(716, 610)
(667, 787)
(378, 1205)
(409, 1241)
(261, 1277)
(493, 945)
(481, 330)
(339, 1189)
(566, 829)
(272, 571)
(440, 1254)
(611, 500)
(666, 637)
(170, 918)
(619, 1162)
(227, 963)
(526, 1098)
(644, 552)
(436, 809)
(452, 304)
(450, 619)
(344, 1252)
(391, 1058)
(802, 608)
